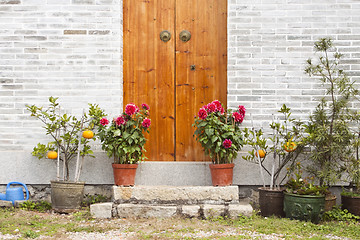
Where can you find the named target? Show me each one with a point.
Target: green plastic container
(304, 207)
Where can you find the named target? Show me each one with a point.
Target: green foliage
(301, 186)
(329, 133)
(41, 206)
(217, 127)
(30, 234)
(286, 132)
(64, 130)
(96, 198)
(336, 214)
(124, 138)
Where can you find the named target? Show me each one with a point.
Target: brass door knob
(165, 36)
(185, 36)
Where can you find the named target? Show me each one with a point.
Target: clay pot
(222, 174)
(330, 202)
(351, 203)
(66, 197)
(271, 202)
(124, 174)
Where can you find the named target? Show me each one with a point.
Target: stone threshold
(171, 201)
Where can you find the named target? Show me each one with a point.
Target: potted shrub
(350, 198)
(218, 132)
(302, 199)
(123, 139)
(70, 140)
(328, 130)
(273, 154)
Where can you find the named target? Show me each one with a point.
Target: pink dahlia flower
(238, 117)
(146, 123)
(104, 121)
(202, 113)
(227, 143)
(120, 121)
(211, 107)
(131, 109)
(242, 110)
(145, 106)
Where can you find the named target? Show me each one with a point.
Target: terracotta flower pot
(222, 174)
(124, 174)
(330, 202)
(271, 202)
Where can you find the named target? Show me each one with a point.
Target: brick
(74, 32)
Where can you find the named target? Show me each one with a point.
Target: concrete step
(176, 195)
(130, 210)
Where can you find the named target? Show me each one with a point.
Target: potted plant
(70, 140)
(273, 154)
(328, 130)
(123, 139)
(218, 132)
(303, 200)
(350, 198)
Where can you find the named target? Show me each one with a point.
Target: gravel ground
(121, 234)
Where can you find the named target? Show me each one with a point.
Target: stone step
(176, 195)
(130, 210)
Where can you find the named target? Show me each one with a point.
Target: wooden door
(175, 78)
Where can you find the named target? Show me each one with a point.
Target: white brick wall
(65, 48)
(73, 49)
(269, 42)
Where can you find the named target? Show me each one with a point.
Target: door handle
(165, 36)
(185, 35)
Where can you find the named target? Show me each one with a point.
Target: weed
(92, 199)
(41, 206)
(30, 234)
(336, 214)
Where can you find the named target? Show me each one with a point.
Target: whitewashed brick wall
(269, 42)
(70, 49)
(73, 49)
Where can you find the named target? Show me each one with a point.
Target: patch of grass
(34, 224)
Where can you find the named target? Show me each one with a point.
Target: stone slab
(145, 211)
(192, 211)
(236, 210)
(101, 210)
(214, 211)
(5, 203)
(176, 194)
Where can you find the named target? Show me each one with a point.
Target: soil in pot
(351, 203)
(271, 202)
(124, 174)
(66, 197)
(222, 174)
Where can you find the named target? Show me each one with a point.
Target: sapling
(66, 132)
(328, 129)
(276, 147)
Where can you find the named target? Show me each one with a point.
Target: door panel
(206, 20)
(159, 73)
(149, 70)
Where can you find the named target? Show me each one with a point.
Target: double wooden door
(174, 74)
